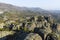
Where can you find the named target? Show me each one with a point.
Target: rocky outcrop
(33, 28)
(33, 36)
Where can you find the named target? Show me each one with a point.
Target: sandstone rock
(33, 36)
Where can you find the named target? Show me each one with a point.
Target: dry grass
(5, 33)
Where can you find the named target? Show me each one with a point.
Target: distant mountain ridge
(9, 7)
(30, 11)
(4, 6)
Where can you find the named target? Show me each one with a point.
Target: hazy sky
(44, 4)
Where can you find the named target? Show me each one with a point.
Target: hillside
(9, 7)
(23, 23)
(29, 11)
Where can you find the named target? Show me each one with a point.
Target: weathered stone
(51, 37)
(33, 36)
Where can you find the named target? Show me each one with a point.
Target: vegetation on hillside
(27, 26)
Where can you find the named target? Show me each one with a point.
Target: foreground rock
(5, 33)
(33, 36)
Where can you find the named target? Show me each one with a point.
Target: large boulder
(58, 28)
(33, 36)
(30, 26)
(40, 18)
(54, 27)
(52, 36)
